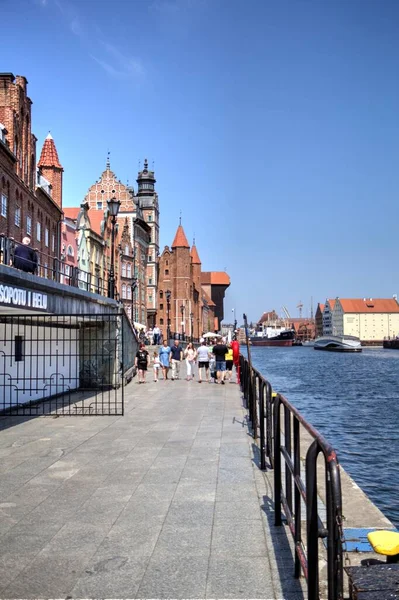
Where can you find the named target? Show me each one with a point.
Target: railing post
(312, 522)
(277, 461)
(262, 424)
(287, 444)
(334, 519)
(269, 423)
(297, 495)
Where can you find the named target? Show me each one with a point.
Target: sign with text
(15, 296)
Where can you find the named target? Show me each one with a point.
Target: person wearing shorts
(141, 362)
(219, 352)
(229, 362)
(203, 361)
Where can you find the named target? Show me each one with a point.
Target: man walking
(203, 361)
(219, 352)
(176, 353)
(155, 333)
(25, 258)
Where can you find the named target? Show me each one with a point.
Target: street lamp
(192, 326)
(182, 321)
(168, 294)
(235, 320)
(133, 286)
(113, 209)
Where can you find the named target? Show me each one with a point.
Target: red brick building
(192, 306)
(30, 199)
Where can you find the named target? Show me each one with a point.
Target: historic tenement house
(195, 297)
(30, 194)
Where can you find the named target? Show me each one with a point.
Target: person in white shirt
(155, 333)
(203, 356)
(190, 354)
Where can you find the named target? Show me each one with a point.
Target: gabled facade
(319, 320)
(370, 319)
(328, 317)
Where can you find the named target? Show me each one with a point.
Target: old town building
(370, 319)
(30, 195)
(319, 320)
(185, 304)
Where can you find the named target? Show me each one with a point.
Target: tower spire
(108, 165)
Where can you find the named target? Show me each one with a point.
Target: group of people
(215, 362)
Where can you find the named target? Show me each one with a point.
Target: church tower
(50, 167)
(147, 199)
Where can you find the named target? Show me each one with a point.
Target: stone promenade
(164, 502)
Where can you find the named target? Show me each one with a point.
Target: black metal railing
(279, 426)
(52, 268)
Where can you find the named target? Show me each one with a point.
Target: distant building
(328, 317)
(319, 320)
(370, 319)
(194, 306)
(30, 194)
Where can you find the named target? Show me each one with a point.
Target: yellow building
(370, 319)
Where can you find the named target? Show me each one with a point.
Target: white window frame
(17, 216)
(38, 231)
(4, 205)
(46, 237)
(53, 242)
(123, 269)
(128, 270)
(29, 225)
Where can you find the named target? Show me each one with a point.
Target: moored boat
(338, 343)
(273, 337)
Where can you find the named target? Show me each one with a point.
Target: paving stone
(175, 577)
(238, 577)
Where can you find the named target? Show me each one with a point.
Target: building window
(149, 298)
(166, 271)
(123, 291)
(53, 242)
(150, 217)
(38, 232)
(46, 237)
(161, 321)
(4, 202)
(161, 294)
(161, 307)
(149, 281)
(128, 270)
(127, 250)
(123, 269)
(70, 251)
(17, 219)
(129, 292)
(99, 205)
(150, 258)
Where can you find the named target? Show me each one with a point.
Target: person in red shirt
(236, 357)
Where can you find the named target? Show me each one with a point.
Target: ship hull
(265, 342)
(338, 344)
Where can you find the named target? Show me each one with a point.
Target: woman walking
(164, 358)
(190, 354)
(141, 362)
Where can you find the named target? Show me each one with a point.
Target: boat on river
(273, 336)
(338, 343)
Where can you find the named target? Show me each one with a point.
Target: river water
(353, 400)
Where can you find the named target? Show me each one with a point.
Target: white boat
(338, 343)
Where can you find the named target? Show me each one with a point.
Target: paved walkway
(164, 502)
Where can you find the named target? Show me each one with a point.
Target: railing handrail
(257, 392)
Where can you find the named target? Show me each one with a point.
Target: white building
(328, 317)
(371, 320)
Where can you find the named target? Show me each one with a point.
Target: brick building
(30, 197)
(192, 308)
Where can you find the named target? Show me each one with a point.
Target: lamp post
(134, 286)
(192, 326)
(168, 294)
(182, 321)
(113, 209)
(235, 320)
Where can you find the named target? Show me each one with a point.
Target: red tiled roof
(321, 306)
(180, 240)
(369, 305)
(49, 155)
(96, 217)
(268, 316)
(215, 278)
(195, 259)
(71, 212)
(331, 302)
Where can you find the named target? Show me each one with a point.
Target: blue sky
(273, 127)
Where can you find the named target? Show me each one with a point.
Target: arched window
(70, 251)
(123, 291)
(123, 269)
(128, 270)
(129, 292)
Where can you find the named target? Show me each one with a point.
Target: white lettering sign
(25, 298)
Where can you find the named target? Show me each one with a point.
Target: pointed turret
(51, 168)
(195, 259)
(180, 240)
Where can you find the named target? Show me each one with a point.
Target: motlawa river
(353, 400)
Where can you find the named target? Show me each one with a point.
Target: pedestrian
(177, 357)
(25, 258)
(156, 333)
(150, 336)
(141, 362)
(219, 352)
(235, 344)
(156, 365)
(203, 361)
(164, 359)
(190, 354)
(229, 362)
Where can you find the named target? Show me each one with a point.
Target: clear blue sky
(273, 126)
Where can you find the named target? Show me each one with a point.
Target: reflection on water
(353, 400)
